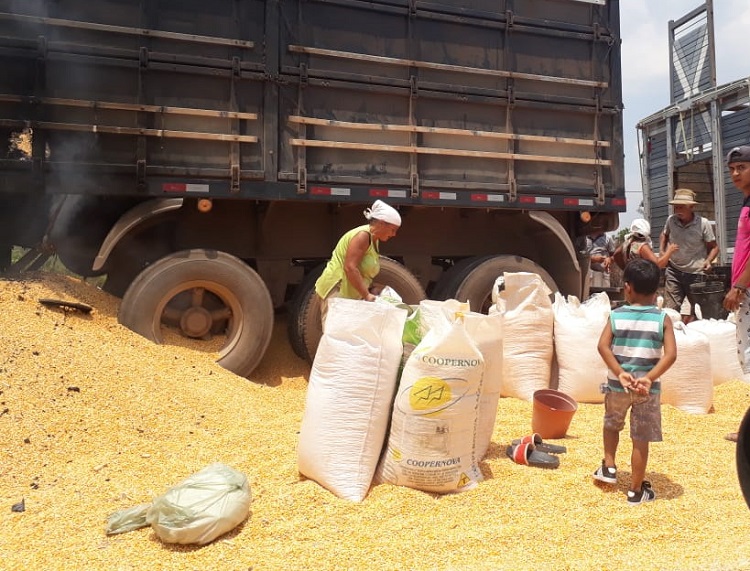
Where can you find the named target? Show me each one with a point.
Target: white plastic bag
(206, 505)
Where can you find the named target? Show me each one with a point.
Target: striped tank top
(637, 341)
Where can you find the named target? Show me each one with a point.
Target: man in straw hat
(738, 162)
(697, 249)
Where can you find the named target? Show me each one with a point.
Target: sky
(645, 66)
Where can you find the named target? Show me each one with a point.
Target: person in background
(599, 248)
(738, 162)
(637, 244)
(638, 345)
(355, 260)
(697, 250)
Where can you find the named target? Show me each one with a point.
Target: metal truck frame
(207, 156)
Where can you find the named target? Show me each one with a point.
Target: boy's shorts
(645, 415)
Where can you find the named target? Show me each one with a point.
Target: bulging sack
(578, 327)
(349, 396)
(687, 385)
(431, 445)
(527, 343)
(722, 338)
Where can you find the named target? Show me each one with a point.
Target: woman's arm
(647, 253)
(354, 254)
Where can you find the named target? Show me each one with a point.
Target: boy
(631, 346)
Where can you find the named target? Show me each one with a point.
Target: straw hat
(683, 196)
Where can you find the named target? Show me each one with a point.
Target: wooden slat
(127, 30)
(445, 67)
(447, 152)
(137, 107)
(114, 129)
(445, 131)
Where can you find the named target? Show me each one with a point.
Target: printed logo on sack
(429, 395)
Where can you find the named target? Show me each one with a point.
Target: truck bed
(498, 104)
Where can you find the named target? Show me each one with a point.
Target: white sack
(687, 385)
(487, 332)
(527, 328)
(349, 396)
(722, 336)
(578, 327)
(430, 446)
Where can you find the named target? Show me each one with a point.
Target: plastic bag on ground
(204, 506)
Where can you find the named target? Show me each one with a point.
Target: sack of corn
(431, 444)
(722, 338)
(578, 327)
(486, 331)
(687, 385)
(527, 345)
(349, 396)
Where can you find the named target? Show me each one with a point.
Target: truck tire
(294, 326)
(743, 456)
(200, 293)
(307, 318)
(472, 279)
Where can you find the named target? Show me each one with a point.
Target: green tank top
(333, 274)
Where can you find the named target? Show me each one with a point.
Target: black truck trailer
(207, 156)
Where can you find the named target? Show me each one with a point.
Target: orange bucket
(553, 410)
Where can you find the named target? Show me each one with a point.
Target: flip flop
(525, 454)
(540, 445)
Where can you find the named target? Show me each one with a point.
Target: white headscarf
(640, 227)
(381, 211)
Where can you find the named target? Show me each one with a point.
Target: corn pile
(94, 419)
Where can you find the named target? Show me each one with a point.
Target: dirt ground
(94, 419)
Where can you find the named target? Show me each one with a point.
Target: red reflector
(320, 190)
(570, 202)
(432, 195)
(379, 192)
(479, 197)
(173, 187)
(619, 202)
(527, 200)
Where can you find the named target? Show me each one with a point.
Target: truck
(207, 156)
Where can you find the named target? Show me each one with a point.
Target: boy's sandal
(524, 453)
(540, 445)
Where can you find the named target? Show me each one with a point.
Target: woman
(356, 258)
(637, 244)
